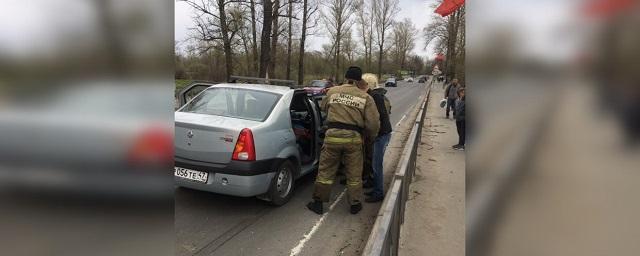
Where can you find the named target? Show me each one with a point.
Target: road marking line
(296, 250)
(405, 115)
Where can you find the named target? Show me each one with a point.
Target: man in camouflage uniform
(351, 114)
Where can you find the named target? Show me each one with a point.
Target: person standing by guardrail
(460, 119)
(367, 168)
(380, 143)
(351, 114)
(451, 95)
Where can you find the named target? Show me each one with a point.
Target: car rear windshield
(319, 83)
(233, 102)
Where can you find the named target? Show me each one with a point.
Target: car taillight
(153, 147)
(245, 149)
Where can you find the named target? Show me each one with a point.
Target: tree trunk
(274, 39)
(451, 46)
(302, 39)
(370, 58)
(254, 40)
(247, 57)
(226, 41)
(290, 13)
(265, 47)
(380, 53)
(338, 35)
(212, 65)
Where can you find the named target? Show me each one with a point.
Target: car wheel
(281, 188)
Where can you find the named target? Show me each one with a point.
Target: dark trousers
(451, 105)
(461, 132)
(367, 168)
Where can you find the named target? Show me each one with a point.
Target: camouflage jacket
(349, 105)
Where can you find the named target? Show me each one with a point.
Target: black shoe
(374, 199)
(355, 208)
(367, 184)
(460, 147)
(315, 206)
(456, 146)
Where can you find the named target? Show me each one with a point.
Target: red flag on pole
(447, 7)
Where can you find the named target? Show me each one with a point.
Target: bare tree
(212, 25)
(436, 33)
(348, 45)
(308, 11)
(254, 40)
(403, 41)
(370, 32)
(415, 63)
(265, 47)
(274, 37)
(448, 35)
(289, 40)
(384, 11)
(239, 17)
(337, 20)
(363, 16)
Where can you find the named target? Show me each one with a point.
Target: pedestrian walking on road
(351, 114)
(451, 95)
(460, 119)
(382, 140)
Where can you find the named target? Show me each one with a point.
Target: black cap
(354, 73)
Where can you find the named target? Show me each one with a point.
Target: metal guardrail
(385, 234)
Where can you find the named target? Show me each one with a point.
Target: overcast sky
(541, 27)
(419, 11)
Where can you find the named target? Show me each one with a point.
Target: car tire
(281, 188)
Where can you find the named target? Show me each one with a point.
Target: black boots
(315, 206)
(355, 208)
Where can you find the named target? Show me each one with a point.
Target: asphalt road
(212, 224)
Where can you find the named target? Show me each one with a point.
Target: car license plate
(191, 174)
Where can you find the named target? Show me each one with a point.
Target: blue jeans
(379, 147)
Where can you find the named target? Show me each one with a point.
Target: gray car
(246, 139)
(391, 82)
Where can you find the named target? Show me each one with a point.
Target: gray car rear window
(233, 102)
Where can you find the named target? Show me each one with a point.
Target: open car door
(190, 92)
(317, 99)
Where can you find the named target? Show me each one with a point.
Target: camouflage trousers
(333, 153)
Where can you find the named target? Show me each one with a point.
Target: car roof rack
(246, 79)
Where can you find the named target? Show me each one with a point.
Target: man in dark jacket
(451, 95)
(382, 140)
(460, 119)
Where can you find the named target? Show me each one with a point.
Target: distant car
(318, 87)
(440, 78)
(409, 79)
(391, 82)
(422, 79)
(247, 140)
